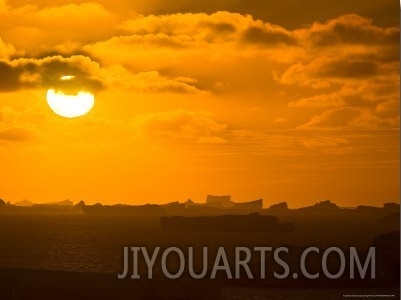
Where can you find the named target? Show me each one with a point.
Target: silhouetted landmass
(323, 206)
(219, 201)
(24, 203)
(215, 206)
(66, 203)
(391, 206)
(279, 207)
(368, 209)
(147, 209)
(80, 204)
(388, 257)
(255, 205)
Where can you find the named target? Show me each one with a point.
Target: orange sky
(282, 100)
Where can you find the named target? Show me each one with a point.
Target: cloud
(267, 35)
(350, 118)
(212, 43)
(346, 63)
(293, 142)
(324, 142)
(44, 73)
(349, 29)
(6, 50)
(218, 27)
(118, 77)
(213, 49)
(367, 93)
(194, 24)
(182, 125)
(348, 69)
(364, 96)
(17, 135)
(20, 125)
(325, 71)
(370, 104)
(343, 48)
(176, 37)
(352, 69)
(320, 101)
(389, 107)
(35, 29)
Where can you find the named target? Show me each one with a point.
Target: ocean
(94, 243)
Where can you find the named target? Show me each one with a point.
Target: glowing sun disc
(70, 106)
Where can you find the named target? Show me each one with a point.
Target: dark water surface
(94, 243)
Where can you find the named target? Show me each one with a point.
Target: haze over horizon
(296, 102)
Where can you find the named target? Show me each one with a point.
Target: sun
(70, 105)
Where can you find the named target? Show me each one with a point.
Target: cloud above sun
(348, 61)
